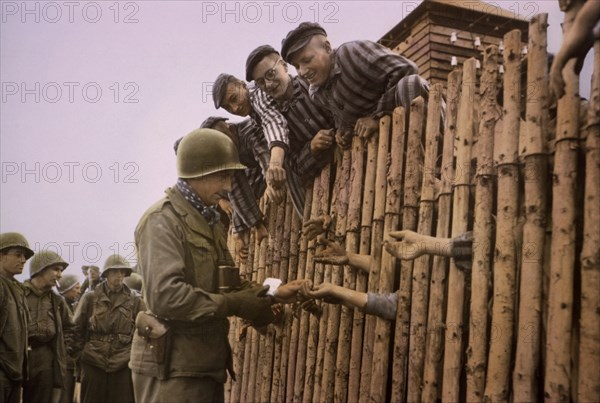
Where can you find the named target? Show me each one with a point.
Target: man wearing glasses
(14, 252)
(305, 134)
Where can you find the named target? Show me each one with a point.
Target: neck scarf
(210, 213)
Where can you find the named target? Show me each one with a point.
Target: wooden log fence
(522, 324)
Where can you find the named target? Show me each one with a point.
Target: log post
(348, 362)
(379, 365)
(483, 226)
(298, 256)
(410, 211)
(562, 260)
(316, 275)
(453, 349)
(589, 341)
(305, 320)
(362, 281)
(435, 313)
(505, 261)
(341, 195)
(420, 275)
(535, 156)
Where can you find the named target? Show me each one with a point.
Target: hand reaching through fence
(316, 226)
(335, 254)
(343, 138)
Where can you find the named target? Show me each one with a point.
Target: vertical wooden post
(505, 267)
(298, 257)
(420, 275)
(483, 226)
(460, 217)
(341, 195)
(248, 341)
(410, 209)
(562, 260)
(534, 152)
(348, 363)
(589, 342)
(432, 379)
(316, 274)
(289, 258)
(362, 281)
(379, 366)
(305, 320)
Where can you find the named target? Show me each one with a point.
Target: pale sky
(95, 93)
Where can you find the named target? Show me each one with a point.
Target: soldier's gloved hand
(250, 303)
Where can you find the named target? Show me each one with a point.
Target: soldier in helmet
(92, 278)
(182, 250)
(14, 252)
(70, 288)
(50, 317)
(104, 325)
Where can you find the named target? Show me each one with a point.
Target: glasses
(269, 75)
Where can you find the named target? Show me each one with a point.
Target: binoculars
(229, 277)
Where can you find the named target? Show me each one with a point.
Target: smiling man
(14, 252)
(358, 82)
(306, 134)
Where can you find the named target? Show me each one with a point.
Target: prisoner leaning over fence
(50, 317)
(104, 325)
(14, 252)
(70, 289)
(181, 352)
(358, 82)
(249, 185)
(238, 97)
(299, 141)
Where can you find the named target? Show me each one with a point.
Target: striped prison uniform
(292, 124)
(367, 79)
(249, 185)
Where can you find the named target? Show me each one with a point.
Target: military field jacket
(178, 253)
(14, 317)
(105, 328)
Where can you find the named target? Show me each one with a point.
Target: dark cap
(210, 122)
(219, 88)
(299, 38)
(255, 57)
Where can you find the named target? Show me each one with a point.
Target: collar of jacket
(188, 213)
(103, 294)
(30, 288)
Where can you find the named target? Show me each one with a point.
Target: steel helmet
(66, 283)
(44, 259)
(116, 262)
(134, 281)
(206, 151)
(15, 240)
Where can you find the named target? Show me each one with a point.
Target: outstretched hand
(409, 245)
(316, 226)
(333, 253)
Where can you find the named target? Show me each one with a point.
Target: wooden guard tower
(438, 30)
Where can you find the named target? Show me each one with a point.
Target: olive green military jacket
(177, 258)
(14, 316)
(104, 327)
(63, 320)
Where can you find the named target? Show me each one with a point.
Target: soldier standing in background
(50, 317)
(70, 288)
(14, 252)
(104, 325)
